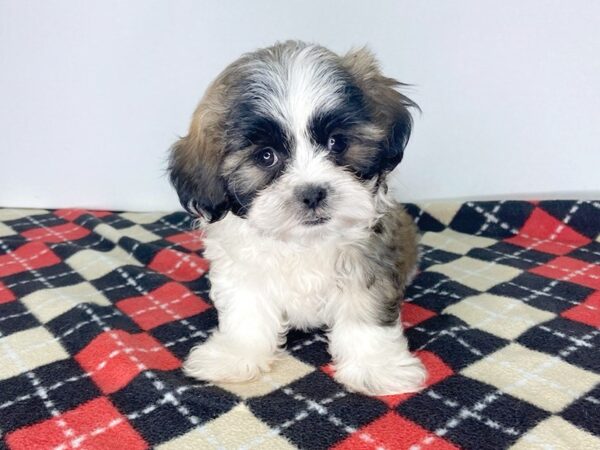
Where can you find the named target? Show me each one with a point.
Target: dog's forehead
(291, 85)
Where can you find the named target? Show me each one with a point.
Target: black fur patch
(350, 113)
(346, 119)
(247, 127)
(249, 131)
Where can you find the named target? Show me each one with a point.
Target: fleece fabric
(98, 309)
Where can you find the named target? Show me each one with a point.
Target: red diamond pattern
(394, 433)
(571, 269)
(587, 312)
(170, 302)
(6, 294)
(115, 357)
(546, 233)
(96, 425)
(189, 240)
(414, 314)
(58, 233)
(34, 255)
(179, 266)
(72, 214)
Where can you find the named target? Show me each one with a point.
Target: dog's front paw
(398, 375)
(219, 361)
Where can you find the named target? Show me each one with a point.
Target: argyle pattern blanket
(98, 309)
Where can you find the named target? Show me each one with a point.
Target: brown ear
(388, 107)
(195, 160)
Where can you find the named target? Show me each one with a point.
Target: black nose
(312, 195)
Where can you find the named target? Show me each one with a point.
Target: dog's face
(294, 139)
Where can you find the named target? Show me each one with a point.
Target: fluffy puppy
(285, 164)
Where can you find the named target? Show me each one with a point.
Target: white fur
(293, 88)
(261, 286)
(270, 272)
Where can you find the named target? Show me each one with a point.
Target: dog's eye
(266, 157)
(337, 143)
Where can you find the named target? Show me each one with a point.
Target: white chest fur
(262, 286)
(299, 282)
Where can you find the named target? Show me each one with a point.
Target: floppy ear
(195, 161)
(388, 107)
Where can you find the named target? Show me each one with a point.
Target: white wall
(93, 93)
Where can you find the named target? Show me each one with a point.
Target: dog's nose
(312, 195)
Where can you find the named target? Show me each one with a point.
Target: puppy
(285, 164)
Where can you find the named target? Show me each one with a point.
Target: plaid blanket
(98, 310)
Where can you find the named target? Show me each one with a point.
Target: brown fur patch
(388, 107)
(392, 259)
(196, 158)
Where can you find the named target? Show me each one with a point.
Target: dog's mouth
(316, 221)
